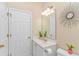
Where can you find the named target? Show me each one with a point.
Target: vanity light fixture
(48, 11)
(45, 11)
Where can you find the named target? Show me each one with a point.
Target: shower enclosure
(15, 32)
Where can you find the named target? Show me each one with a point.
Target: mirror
(48, 24)
(52, 25)
(70, 15)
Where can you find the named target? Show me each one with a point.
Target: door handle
(9, 35)
(28, 37)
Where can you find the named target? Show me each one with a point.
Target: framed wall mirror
(48, 23)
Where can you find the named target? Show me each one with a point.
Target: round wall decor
(70, 15)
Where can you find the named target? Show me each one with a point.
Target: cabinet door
(3, 30)
(37, 50)
(20, 30)
(34, 49)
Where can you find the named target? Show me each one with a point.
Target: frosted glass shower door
(3, 30)
(20, 30)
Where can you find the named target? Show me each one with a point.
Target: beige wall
(63, 35)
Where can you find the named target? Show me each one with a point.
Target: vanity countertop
(43, 43)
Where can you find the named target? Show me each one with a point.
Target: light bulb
(48, 9)
(52, 11)
(43, 13)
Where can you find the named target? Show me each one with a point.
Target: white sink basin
(43, 43)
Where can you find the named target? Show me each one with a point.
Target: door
(3, 30)
(20, 33)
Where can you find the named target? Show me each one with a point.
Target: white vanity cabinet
(42, 51)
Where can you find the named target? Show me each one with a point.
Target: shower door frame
(9, 34)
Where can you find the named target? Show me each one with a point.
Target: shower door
(3, 30)
(20, 43)
(15, 32)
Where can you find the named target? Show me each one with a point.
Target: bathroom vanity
(44, 48)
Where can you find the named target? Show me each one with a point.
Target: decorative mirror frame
(70, 15)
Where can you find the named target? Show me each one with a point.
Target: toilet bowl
(62, 52)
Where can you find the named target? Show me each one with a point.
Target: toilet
(62, 52)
